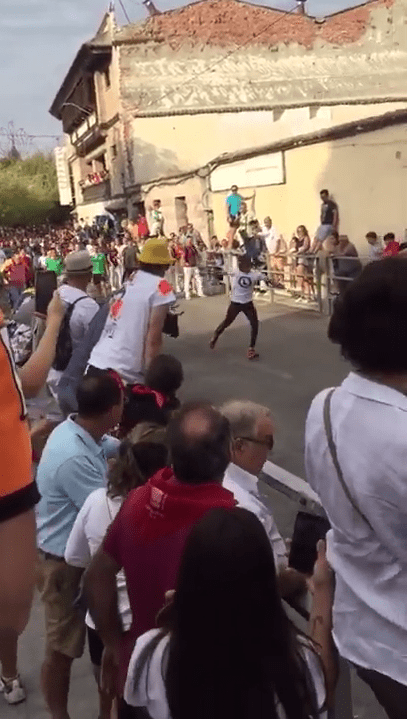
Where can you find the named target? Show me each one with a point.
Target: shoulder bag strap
(334, 455)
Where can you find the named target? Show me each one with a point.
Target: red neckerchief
(141, 389)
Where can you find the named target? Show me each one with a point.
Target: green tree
(29, 191)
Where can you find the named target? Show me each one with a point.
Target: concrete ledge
(292, 486)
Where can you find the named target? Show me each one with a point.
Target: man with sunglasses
(252, 441)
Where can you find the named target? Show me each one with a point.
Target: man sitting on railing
(348, 265)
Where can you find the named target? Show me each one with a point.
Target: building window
(106, 75)
(114, 151)
(181, 211)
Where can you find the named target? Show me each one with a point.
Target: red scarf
(141, 389)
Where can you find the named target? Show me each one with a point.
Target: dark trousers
(128, 712)
(234, 309)
(391, 695)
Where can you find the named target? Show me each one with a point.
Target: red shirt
(142, 227)
(392, 248)
(147, 539)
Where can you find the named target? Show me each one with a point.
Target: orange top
(17, 490)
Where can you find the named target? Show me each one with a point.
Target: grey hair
(244, 416)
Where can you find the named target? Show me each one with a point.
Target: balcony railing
(101, 191)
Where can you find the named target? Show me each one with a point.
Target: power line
(124, 11)
(221, 59)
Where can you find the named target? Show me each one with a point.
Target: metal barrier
(299, 491)
(311, 281)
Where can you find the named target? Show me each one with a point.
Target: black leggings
(234, 309)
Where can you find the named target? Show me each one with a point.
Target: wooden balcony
(101, 191)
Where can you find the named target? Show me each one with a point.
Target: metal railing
(311, 281)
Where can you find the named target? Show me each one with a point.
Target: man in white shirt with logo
(243, 283)
(78, 269)
(253, 438)
(132, 335)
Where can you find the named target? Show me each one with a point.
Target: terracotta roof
(233, 22)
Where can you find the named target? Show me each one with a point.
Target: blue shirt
(72, 466)
(234, 202)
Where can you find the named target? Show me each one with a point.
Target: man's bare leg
(55, 680)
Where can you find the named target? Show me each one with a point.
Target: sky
(40, 38)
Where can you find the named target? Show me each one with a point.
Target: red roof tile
(232, 22)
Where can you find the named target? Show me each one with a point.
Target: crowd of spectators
(154, 539)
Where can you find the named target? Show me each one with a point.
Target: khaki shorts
(58, 584)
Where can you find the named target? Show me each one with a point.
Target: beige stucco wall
(367, 176)
(196, 197)
(163, 146)
(108, 98)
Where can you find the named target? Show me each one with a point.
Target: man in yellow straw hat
(132, 335)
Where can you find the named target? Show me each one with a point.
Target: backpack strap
(78, 299)
(70, 308)
(334, 455)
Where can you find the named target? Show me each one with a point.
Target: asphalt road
(296, 362)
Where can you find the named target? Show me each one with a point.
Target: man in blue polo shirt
(233, 203)
(73, 464)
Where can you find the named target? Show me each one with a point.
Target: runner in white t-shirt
(132, 335)
(243, 283)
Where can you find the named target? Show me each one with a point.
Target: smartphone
(45, 286)
(308, 530)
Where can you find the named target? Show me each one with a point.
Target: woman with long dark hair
(227, 648)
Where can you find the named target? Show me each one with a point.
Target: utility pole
(17, 141)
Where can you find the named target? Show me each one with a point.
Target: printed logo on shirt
(157, 499)
(116, 309)
(244, 282)
(164, 288)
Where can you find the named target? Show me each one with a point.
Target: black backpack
(64, 347)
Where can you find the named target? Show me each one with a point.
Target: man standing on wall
(156, 219)
(234, 209)
(329, 217)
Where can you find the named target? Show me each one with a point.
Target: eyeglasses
(269, 443)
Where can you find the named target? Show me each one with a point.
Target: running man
(243, 283)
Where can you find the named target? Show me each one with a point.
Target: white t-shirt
(121, 345)
(271, 237)
(151, 693)
(243, 285)
(87, 535)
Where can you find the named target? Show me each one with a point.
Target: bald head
(200, 444)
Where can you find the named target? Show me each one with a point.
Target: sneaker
(13, 690)
(252, 354)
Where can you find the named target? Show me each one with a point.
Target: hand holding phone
(45, 286)
(308, 530)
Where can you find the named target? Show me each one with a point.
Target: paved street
(296, 362)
